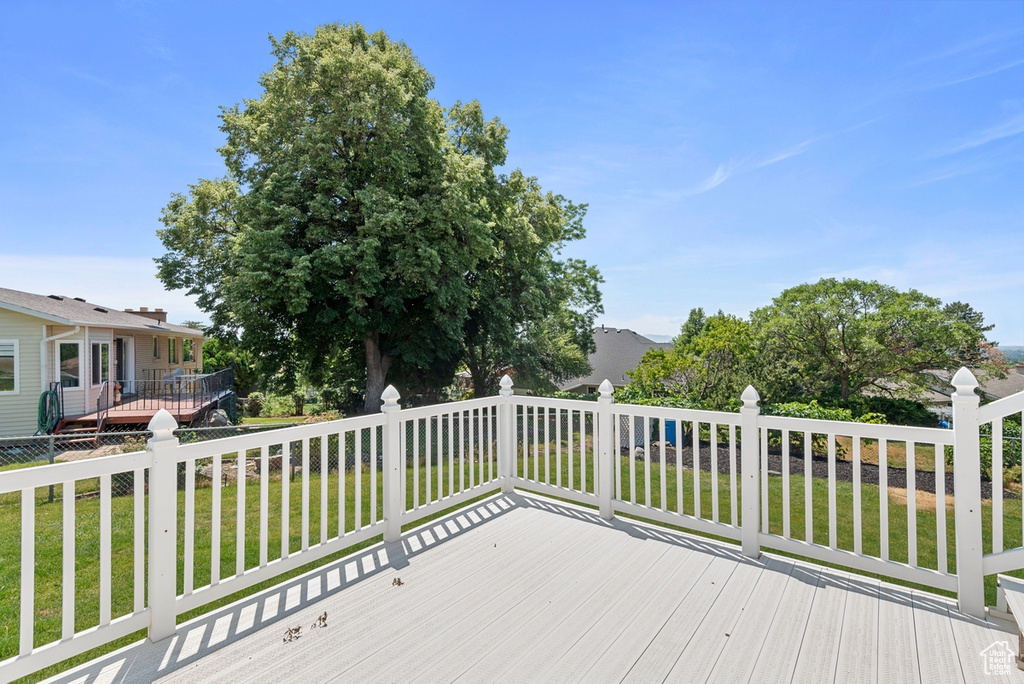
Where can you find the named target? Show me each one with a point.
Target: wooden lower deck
(521, 588)
(139, 412)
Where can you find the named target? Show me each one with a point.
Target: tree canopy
(707, 363)
(357, 214)
(848, 335)
(846, 342)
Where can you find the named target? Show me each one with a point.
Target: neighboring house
(618, 354)
(87, 350)
(939, 394)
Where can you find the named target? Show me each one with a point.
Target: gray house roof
(993, 388)
(618, 353)
(70, 311)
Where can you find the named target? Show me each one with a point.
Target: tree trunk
(844, 387)
(377, 365)
(485, 383)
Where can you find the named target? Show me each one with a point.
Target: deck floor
(142, 410)
(521, 588)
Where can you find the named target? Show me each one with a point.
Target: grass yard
(48, 575)
(715, 501)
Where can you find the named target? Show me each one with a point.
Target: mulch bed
(895, 477)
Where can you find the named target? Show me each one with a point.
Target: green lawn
(49, 515)
(48, 575)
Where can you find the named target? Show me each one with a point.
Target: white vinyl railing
(256, 506)
(997, 417)
(451, 455)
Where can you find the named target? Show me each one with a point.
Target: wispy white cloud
(721, 174)
(982, 43)
(800, 148)
(1007, 129)
(980, 74)
(789, 152)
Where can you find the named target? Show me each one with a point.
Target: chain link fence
(36, 450)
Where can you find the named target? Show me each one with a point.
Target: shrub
(897, 411)
(815, 411)
(1011, 476)
(254, 406)
(1011, 449)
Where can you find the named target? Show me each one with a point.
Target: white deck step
(1012, 589)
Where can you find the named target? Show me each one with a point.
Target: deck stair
(1011, 592)
(88, 428)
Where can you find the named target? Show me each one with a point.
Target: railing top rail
(1001, 408)
(453, 407)
(552, 402)
(14, 480)
(284, 435)
(898, 433)
(672, 413)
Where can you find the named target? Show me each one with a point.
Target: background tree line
(849, 344)
(364, 235)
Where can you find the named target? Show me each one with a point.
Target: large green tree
(531, 310)
(843, 336)
(344, 218)
(357, 216)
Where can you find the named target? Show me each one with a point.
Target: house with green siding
(84, 350)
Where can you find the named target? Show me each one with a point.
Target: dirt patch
(83, 454)
(926, 501)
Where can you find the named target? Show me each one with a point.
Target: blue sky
(727, 150)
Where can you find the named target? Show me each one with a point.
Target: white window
(9, 366)
(156, 347)
(70, 360)
(186, 351)
(100, 362)
(172, 351)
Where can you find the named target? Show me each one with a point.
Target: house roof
(993, 388)
(65, 310)
(619, 351)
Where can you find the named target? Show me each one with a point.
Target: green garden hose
(48, 413)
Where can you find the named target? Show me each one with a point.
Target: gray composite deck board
(897, 641)
(858, 659)
(520, 588)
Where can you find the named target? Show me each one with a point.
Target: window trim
(156, 347)
(17, 367)
(187, 353)
(172, 351)
(96, 370)
(81, 364)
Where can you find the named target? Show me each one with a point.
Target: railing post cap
(750, 397)
(964, 382)
(506, 386)
(606, 388)
(390, 397)
(162, 426)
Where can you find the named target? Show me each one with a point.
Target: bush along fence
(89, 570)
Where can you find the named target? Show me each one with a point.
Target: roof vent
(58, 298)
(79, 299)
(100, 309)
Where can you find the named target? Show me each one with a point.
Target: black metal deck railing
(173, 391)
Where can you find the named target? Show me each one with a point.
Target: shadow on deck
(536, 590)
